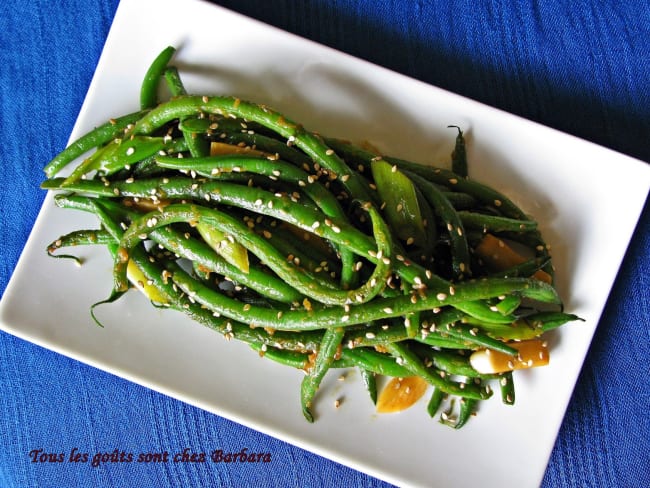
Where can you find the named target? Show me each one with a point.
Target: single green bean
(95, 138)
(316, 372)
(149, 87)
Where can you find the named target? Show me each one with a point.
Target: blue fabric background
(581, 67)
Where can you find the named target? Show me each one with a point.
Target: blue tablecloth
(581, 67)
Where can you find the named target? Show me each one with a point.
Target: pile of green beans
(318, 253)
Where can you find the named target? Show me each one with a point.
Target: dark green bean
(79, 238)
(316, 371)
(95, 138)
(149, 88)
(459, 155)
(412, 363)
(437, 396)
(369, 379)
(451, 221)
(507, 388)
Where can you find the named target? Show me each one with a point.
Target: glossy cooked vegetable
(316, 252)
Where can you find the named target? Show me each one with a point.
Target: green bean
(307, 283)
(328, 317)
(293, 359)
(275, 169)
(466, 410)
(412, 363)
(315, 373)
(476, 337)
(455, 364)
(485, 313)
(525, 269)
(495, 224)
(372, 360)
(369, 379)
(507, 388)
(508, 305)
(174, 82)
(334, 269)
(149, 88)
(292, 341)
(194, 250)
(459, 155)
(452, 222)
(95, 138)
(437, 396)
(259, 201)
(116, 155)
(230, 132)
(79, 238)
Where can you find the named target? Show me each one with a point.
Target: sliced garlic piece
(531, 354)
(401, 393)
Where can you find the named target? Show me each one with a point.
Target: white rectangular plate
(586, 198)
